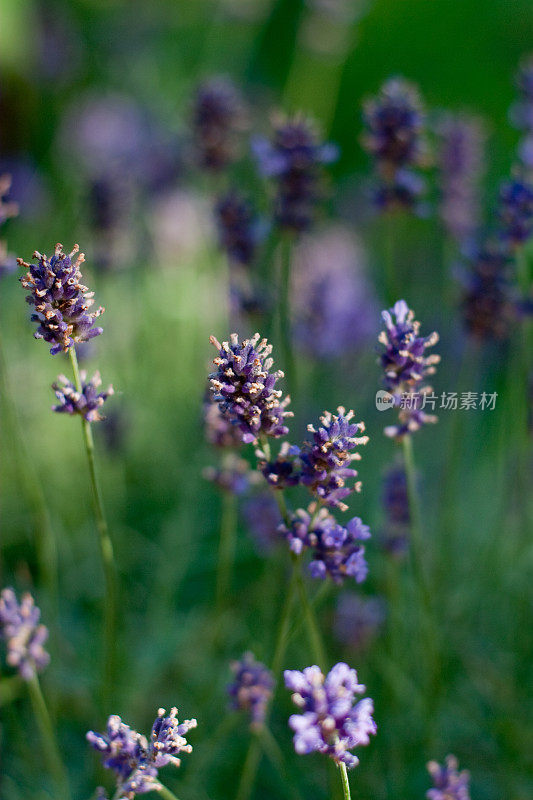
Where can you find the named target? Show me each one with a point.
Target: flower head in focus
(86, 403)
(332, 721)
(60, 300)
(244, 387)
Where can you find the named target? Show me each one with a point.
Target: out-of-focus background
(95, 107)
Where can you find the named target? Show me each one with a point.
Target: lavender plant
(217, 117)
(251, 689)
(331, 722)
(64, 318)
(24, 637)
(136, 760)
(448, 782)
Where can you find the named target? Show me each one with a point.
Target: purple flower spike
(516, 211)
(135, 760)
(167, 739)
(405, 366)
(218, 115)
(252, 687)
(326, 458)
(337, 550)
(394, 123)
(243, 386)
(233, 475)
(462, 140)
(293, 159)
(448, 782)
(8, 208)
(331, 721)
(237, 228)
(60, 300)
(487, 304)
(85, 403)
(24, 636)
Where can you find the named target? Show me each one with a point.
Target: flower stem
(226, 550)
(51, 746)
(345, 782)
(166, 793)
(416, 550)
(106, 548)
(315, 638)
(285, 310)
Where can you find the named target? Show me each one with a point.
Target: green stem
(315, 638)
(166, 793)
(51, 746)
(285, 310)
(249, 770)
(344, 781)
(106, 548)
(416, 549)
(226, 550)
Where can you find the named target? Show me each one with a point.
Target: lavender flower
(85, 403)
(218, 114)
(461, 159)
(325, 459)
(337, 550)
(358, 619)
(243, 386)
(219, 431)
(281, 471)
(448, 782)
(24, 636)
(135, 760)
(331, 722)
(61, 302)
(516, 210)
(233, 475)
(237, 228)
(396, 505)
(394, 122)
(405, 366)
(261, 515)
(333, 303)
(487, 306)
(293, 158)
(252, 688)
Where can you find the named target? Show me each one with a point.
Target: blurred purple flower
(232, 475)
(461, 162)
(22, 633)
(396, 506)
(261, 515)
(293, 159)
(243, 386)
(86, 403)
(237, 228)
(218, 116)
(448, 782)
(394, 136)
(487, 304)
(516, 210)
(358, 619)
(331, 722)
(252, 687)
(333, 304)
(60, 300)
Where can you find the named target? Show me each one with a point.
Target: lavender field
(266, 382)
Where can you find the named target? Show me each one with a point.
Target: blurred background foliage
(164, 294)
